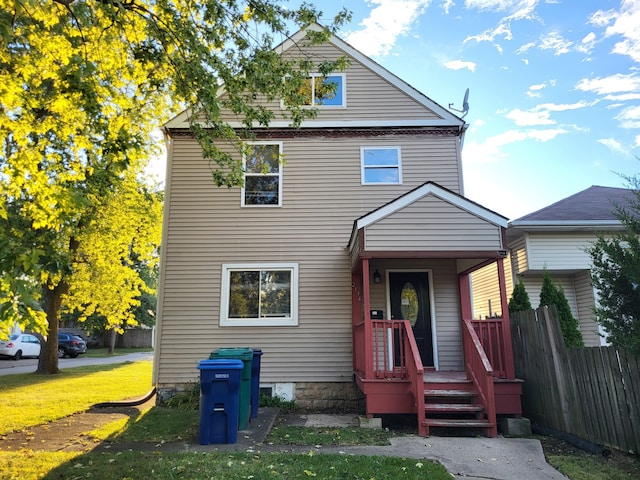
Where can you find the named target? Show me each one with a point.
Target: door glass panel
(409, 303)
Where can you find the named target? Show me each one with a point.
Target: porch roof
(429, 221)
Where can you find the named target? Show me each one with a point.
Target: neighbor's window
(262, 175)
(381, 165)
(259, 295)
(320, 91)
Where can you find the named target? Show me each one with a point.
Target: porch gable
(429, 221)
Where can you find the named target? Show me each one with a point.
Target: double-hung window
(381, 165)
(259, 295)
(262, 175)
(325, 91)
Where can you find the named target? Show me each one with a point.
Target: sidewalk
(465, 458)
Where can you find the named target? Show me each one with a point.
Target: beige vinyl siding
(446, 303)
(368, 96)
(432, 224)
(322, 196)
(586, 303)
(533, 286)
(485, 292)
(485, 288)
(518, 256)
(562, 251)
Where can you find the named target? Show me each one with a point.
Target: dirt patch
(71, 433)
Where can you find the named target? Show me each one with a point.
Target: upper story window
(262, 175)
(259, 294)
(381, 165)
(321, 91)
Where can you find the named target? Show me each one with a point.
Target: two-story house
(347, 263)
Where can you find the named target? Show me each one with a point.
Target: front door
(409, 300)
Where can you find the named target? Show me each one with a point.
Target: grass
(254, 466)
(282, 435)
(29, 399)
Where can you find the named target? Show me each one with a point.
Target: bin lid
(232, 352)
(220, 364)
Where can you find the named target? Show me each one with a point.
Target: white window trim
(313, 105)
(258, 322)
(280, 167)
(363, 168)
(344, 90)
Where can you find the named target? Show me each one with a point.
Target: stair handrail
(415, 374)
(479, 371)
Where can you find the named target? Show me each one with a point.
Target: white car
(18, 346)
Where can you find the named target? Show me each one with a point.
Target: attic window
(262, 175)
(321, 91)
(381, 165)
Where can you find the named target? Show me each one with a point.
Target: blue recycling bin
(219, 390)
(255, 382)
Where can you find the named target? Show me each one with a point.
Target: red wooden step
(448, 393)
(462, 423)
(453, 407)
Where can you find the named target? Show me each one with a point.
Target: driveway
(29, 365)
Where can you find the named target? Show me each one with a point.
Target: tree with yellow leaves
(83, 83)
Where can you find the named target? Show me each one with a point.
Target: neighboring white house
(557, 238)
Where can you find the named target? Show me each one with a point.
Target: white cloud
(612, 84)
(629, 117)
(624, 97)
(534, 90)
(587, 44)
(546, 135)
(459, 65)
(490, 149)
(555, 41)
(446, 5)
(530, 118)
(524, 48)
(623, 23)
(612, 144)
(637, 141)
(389, 20)
(541, 114)
(514, 9)
(502, 30)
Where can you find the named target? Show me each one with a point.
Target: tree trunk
(112, 341)
(52, 299)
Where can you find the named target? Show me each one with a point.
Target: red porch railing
(492, 338)
(478, 369)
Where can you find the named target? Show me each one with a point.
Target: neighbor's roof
(595, 207)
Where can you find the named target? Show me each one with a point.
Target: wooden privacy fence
(593, 392)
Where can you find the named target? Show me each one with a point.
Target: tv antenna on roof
(465, 105)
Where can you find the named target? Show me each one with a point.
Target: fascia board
(563, 224)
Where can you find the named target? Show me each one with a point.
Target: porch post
(506, 323)
(465, 296)
(368, 333)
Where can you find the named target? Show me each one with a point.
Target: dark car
(70, 345)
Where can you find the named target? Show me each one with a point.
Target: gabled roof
(447, 118)
(428, 188)
(594, 207)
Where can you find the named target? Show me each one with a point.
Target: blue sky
(554, 86)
